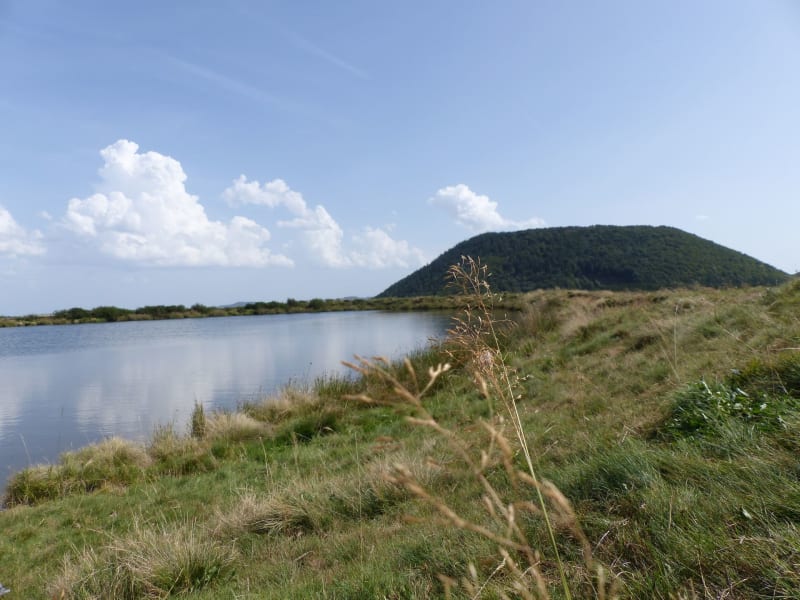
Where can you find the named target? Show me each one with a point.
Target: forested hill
(597, 257)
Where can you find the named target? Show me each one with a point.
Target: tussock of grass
(176, 454)
(147, 563)
(278, 514)
(288, 402)
(234, 427)
(113, 461)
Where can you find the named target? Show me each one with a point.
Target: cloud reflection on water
(87, 382)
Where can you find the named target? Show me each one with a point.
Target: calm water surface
(62, 387)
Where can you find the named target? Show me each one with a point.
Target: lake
(63, 387)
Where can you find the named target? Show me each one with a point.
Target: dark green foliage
(109, 313)
(316, 304)
(100, 313)
(72, 314)
(179, 311)
(161, 311)
(598, 257)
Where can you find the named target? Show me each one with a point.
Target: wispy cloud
(311, 48)
(235, 86)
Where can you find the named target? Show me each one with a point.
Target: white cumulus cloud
(272, 194)
(475, 211)
(323, 238)
(377, 249)
(15, 240)
(143, 213)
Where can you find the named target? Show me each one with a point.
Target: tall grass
(475, 344)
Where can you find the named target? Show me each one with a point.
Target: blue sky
(181, 152)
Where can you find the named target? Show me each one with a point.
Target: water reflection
(64, 387)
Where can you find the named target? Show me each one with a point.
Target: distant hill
(598, 257)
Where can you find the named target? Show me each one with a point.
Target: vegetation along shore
(113, 314)
(630, 444)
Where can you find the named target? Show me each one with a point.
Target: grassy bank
(666, 421)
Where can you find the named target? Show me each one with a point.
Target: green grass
(644, 409)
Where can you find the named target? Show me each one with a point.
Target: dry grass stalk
(474, 342)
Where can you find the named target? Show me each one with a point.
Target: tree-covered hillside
(597, 257)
